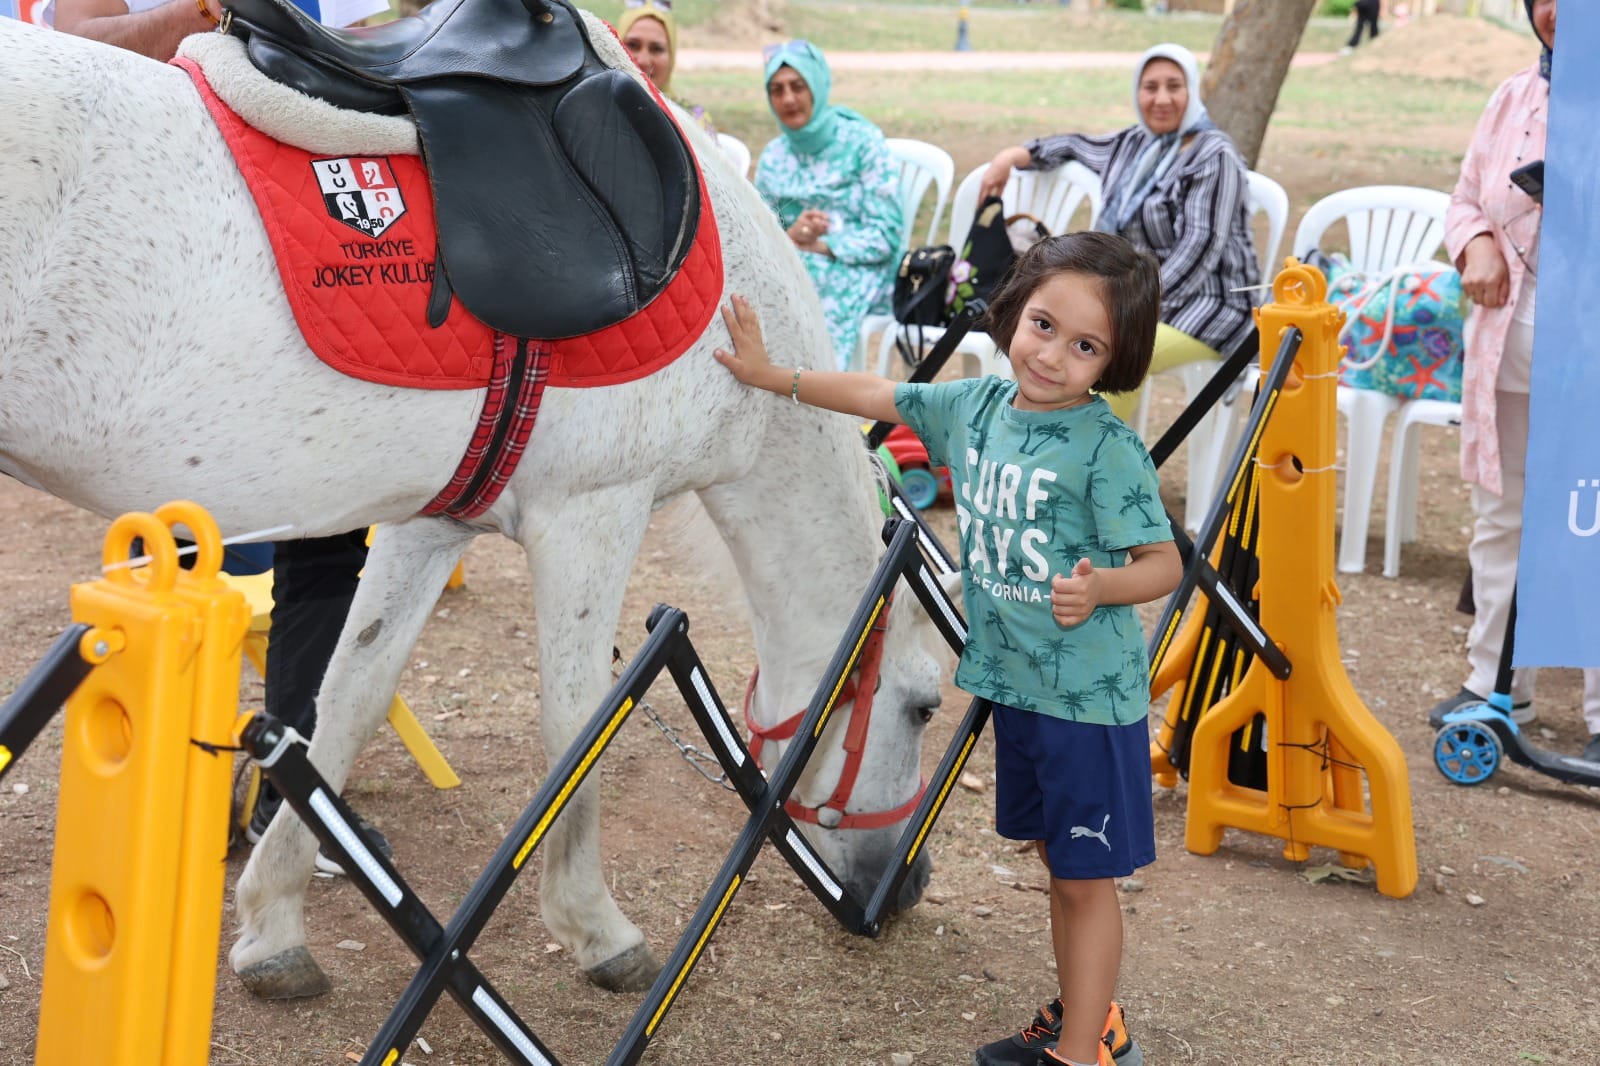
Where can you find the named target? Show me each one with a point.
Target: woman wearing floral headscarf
(835, 188)
(1492, 235)
(650, 34)
(1176, 187)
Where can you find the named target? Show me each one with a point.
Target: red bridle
(862, 682)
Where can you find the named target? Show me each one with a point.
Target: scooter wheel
(922, 488)
(1467, 753)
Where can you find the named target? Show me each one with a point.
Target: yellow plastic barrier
(1320, 736)
(141, 827)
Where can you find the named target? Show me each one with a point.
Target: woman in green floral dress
(834, 186)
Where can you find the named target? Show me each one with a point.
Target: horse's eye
(926, 712)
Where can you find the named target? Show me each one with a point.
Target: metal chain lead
(696, 757)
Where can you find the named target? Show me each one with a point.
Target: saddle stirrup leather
(566, 197)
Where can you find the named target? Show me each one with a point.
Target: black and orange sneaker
(1027, 1048)
(1024, 1048)
(1123, 1051)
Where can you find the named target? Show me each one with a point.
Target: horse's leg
(581, 554)
(407, 567)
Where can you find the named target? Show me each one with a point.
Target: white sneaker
(267, 807)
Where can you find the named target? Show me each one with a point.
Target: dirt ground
(1237, 957)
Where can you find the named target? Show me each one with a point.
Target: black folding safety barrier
(913, 554)
(48, 685)
(1198, 570)
(444, 949)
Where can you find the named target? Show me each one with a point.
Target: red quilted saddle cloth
(354, 239)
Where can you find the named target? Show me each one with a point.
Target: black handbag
(991, 248)
(920, 284)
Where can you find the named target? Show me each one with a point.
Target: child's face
(1062, 344)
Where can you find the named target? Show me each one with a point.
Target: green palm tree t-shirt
(1035, 492)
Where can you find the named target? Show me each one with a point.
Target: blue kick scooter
(1475, 737)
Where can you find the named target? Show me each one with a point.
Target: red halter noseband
(862, 683)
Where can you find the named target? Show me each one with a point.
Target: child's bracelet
(794, 389)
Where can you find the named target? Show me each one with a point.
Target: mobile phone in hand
(1530, 179)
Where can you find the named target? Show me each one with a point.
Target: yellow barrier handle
(207, 537)
(1299, 284)
(162, 573)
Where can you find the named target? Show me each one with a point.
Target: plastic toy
(923, 482)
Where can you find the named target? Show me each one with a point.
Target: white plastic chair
(1052, 196)
(737, 151)
(1389, 225)
(1208, 441)
(921, 165)
(1400, 524)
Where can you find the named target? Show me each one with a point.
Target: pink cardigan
(1484, 201)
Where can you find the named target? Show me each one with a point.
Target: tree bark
(1248, 64)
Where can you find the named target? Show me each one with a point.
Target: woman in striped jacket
(1176, 186)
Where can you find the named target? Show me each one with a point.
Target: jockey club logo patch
(361, 192)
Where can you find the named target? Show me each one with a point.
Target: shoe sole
(1520, 715)
(1130, 1055)
(324, 865)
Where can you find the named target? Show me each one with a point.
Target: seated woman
(650, 35)
(1175, 186)
(835, 188)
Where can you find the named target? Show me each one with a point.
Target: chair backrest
(737, 151)
(1389, 224)
(1268, 196)
(1051, 196)
(921, 165)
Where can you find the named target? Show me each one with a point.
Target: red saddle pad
(354, 239)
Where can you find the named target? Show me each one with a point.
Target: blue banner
(1558, 610)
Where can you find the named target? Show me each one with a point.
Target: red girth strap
(862, 683)
(510, 409)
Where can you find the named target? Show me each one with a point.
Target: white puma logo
(1085, 831)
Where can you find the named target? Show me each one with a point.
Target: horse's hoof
(291, 974)
(632, 971)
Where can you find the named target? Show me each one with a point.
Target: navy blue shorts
(1082, 788)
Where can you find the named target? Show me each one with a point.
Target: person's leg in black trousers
(1366, 17)
(313, 583)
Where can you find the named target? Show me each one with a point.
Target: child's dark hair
(1130, 284)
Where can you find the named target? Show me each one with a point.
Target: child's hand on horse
(1073, 598)
(749, 355)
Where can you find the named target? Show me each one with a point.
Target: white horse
(147, 353)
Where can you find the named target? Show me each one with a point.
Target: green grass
(1005, 107)
(1010, 28)
(994, 25)
(687, 12)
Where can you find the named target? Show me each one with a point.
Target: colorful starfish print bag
(1402, 331)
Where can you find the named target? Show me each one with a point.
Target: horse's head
(864, 780)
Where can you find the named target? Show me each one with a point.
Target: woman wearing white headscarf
(1175, 186)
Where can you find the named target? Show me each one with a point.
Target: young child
(1062, 532)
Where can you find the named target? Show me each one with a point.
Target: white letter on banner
(1572, 511)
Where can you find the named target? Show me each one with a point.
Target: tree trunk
(1248, 64)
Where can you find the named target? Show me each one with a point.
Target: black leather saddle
(566, 197)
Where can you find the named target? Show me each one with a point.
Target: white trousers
(1496, 536)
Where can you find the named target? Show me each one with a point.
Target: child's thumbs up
(1074, 597)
